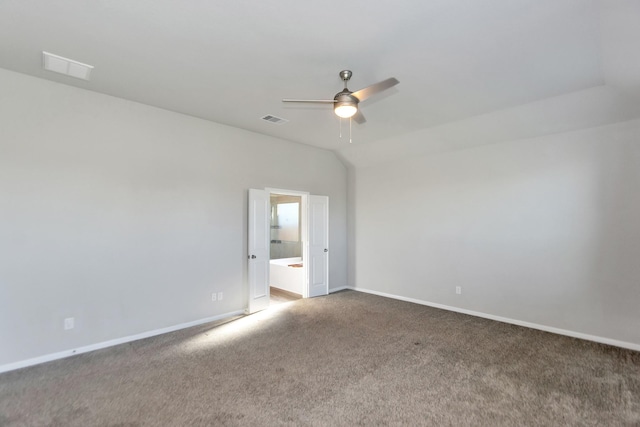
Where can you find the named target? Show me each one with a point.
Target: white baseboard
(601, 340)
(342, 288)
(110, 343)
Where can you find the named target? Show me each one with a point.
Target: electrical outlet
(69, 323)
(458, 290)
(214, 297)
(219, 296)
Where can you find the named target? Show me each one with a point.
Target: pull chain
(340, 120)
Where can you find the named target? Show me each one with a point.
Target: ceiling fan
(345, 103)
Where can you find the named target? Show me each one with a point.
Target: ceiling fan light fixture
(345, 103)
(345, 110)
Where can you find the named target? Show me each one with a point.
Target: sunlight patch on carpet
(234, 330)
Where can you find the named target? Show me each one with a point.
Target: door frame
(304, 230)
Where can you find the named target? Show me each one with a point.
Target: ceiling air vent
(69, 67)
(275, 120)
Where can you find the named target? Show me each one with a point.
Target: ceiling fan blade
(368, 91)
(359, 117)
(322, 101)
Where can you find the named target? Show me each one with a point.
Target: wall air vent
(66, 66)
(275, 120)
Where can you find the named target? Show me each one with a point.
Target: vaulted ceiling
(471, 72)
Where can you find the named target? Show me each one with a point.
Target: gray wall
(542, 230)
(128, 217)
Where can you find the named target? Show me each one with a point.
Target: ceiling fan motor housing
(345, 98)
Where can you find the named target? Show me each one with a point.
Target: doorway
(286, 262)
(313, 225)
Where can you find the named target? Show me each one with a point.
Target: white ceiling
(471, 72)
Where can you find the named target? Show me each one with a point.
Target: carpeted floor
(347, 359)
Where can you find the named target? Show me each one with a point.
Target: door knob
(326, 250)
(253, 257)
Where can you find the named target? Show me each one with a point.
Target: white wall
(128, 217)
(541, 230)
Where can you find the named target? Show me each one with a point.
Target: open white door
(318, 258)
(258, 248)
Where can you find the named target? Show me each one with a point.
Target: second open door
(318, 258)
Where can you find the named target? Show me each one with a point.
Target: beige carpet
(347, 359)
